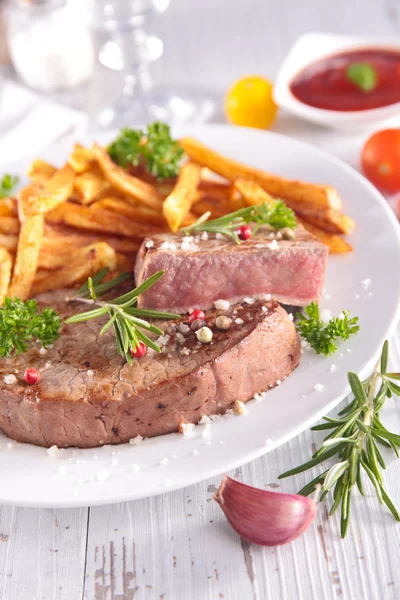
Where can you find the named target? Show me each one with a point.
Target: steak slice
(88, 395)
(205, 269)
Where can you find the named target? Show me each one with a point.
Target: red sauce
(324, 84)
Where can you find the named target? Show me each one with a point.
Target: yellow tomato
(249, 103)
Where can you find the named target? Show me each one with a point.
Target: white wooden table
(178, 545)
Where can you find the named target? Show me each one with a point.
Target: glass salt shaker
(50, 43)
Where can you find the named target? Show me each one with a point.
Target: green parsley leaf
(277, 216)
(125, 149)
(7, 184)
(363, 75)
(20, 323)
(155, 147)
(322, 336)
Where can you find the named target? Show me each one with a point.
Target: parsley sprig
(355, 439)
(7, 184)
(154, 147)
(277, 215)
(127, 320)
(322, 336)
(21, 323)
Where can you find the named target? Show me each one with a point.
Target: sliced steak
(88, 395)
(207, 269)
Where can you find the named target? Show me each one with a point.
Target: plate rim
(252, 453)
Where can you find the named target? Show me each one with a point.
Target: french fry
(80, 159)
(87, 262)
(121, 207)
(5, 273)
(180, 200)
(64, 239)
(125, 183)
(335, 243)
(100, 220)
(9, 225)
(38, 198)
(89, 185)
(304, 193)
(29, 243)
(330, 220)
(252, 193)
(9, 242)
(8, 207)
(40, 170)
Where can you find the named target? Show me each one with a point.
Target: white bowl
(312, 47)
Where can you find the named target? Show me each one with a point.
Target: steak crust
(88, 396)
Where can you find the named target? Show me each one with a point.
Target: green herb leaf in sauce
(363, 75)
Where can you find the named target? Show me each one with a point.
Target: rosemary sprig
(127, 320)
(355, 438)
(278, 216)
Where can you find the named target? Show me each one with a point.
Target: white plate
(29, 477)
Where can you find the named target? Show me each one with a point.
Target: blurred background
(200, 45)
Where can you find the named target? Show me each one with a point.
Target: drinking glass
(130, 49)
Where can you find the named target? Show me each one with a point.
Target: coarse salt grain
(42, 351)
(290, 315)
(249, 300)
(180, 338)
(258, 397)
(185, 351)
(366, 283)
(53, 451)
(136, 440)
(239, 321)
(195, 452)
(89, 373)
(222, 304)
(164, 460)
(189, 245)
(267, 297)
(264, 309)
(268, 441)
(149, 244)
(278, 382)
(318, 387)
(219, 236)
(205, 419)
(204, 236)
(47, 365)
(10, 379)
(163, 340)
(9, 445)
(273, 245)
(333, 368)
(102, 476)
(183, 328)
(168, 246)
(187, 429)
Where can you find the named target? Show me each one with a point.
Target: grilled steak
(88, 395)
(205, 269)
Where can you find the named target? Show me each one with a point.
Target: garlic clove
(263, 517)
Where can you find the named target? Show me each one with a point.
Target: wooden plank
(42, 553)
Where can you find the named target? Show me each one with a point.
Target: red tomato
(381, 159)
